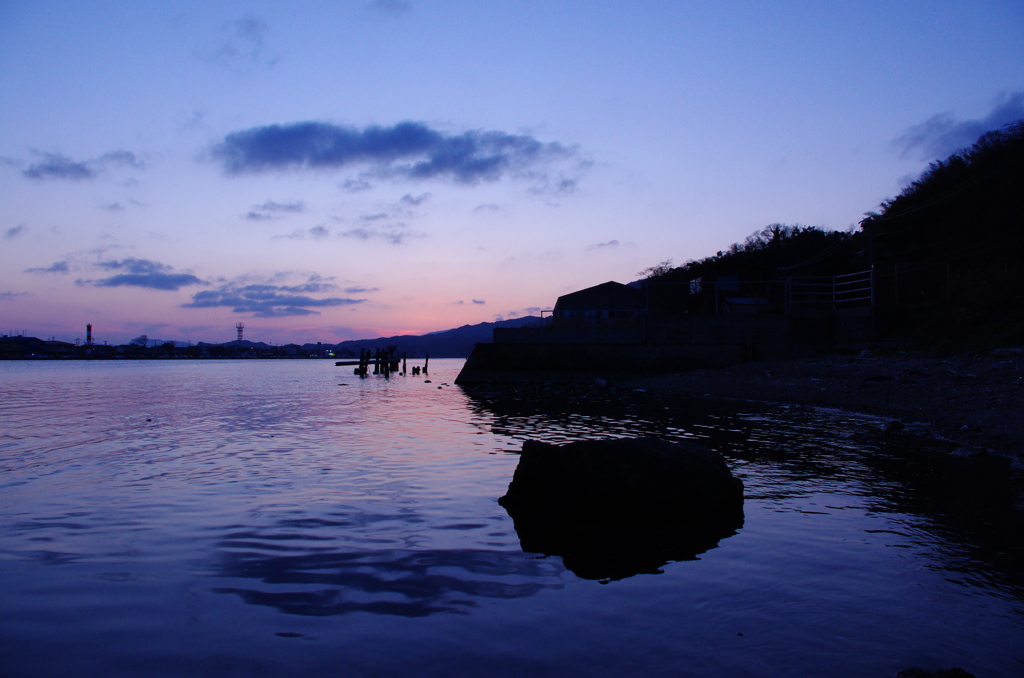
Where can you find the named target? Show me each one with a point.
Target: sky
(322, 171)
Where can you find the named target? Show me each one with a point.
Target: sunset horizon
(330, 172)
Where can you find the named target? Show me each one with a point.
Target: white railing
(841, 291)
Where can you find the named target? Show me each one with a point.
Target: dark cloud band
(409, 149)
(153, 281)
(269, 301)
(57, 166)
(55, 267)
(143, 273)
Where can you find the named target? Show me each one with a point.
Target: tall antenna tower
(240, 327)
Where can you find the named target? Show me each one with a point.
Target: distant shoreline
(122, 358)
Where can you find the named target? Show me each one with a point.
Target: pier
(385, 362)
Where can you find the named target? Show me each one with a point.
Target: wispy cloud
(57, 166)
(410, 200)
(558, 185)
(55, 267)
(409, 150)
(194, 121)
(361, 290)
(611, 244)
(274, 206)
(942, 135)
(270, 208)
(479, 301)
(143, 273)
(487, 207)
(395, 235)
(240, 45)
(10, 296)
(355, 185)
(257, 216)
(15, 231)
(266, 300)
(391, 6)
(316, 232)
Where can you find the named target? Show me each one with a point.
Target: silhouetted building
(608, 304)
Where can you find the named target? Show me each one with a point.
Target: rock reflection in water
(388, 582)
(969, 509)
(618, 507)
(609, 550)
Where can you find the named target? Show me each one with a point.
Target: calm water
(284, 518)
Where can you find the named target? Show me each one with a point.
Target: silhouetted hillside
(968, 207)
(762, 263)
(947, 252)
(777, 251)
(455, 343)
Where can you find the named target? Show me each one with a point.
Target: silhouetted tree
(656, 270)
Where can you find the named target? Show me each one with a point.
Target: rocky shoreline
(976, 402)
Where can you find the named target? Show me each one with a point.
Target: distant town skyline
(334, 171)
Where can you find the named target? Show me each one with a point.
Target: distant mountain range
(455, 343)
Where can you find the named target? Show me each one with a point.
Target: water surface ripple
(285, 518)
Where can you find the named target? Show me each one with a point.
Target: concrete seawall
(578, 354)
(584, 362)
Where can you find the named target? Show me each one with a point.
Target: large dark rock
(615, 508)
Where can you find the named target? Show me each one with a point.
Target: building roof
(609, 296)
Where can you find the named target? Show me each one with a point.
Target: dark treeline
(777, 251)
(949, 249)
(947, 252)
(966, 207)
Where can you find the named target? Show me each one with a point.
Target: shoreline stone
(618, 507)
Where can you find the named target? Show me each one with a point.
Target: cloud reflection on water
(406, 583)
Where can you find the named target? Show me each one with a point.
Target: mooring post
(426, 361)
(404, 364)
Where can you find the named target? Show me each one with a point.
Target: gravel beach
(976, 402)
